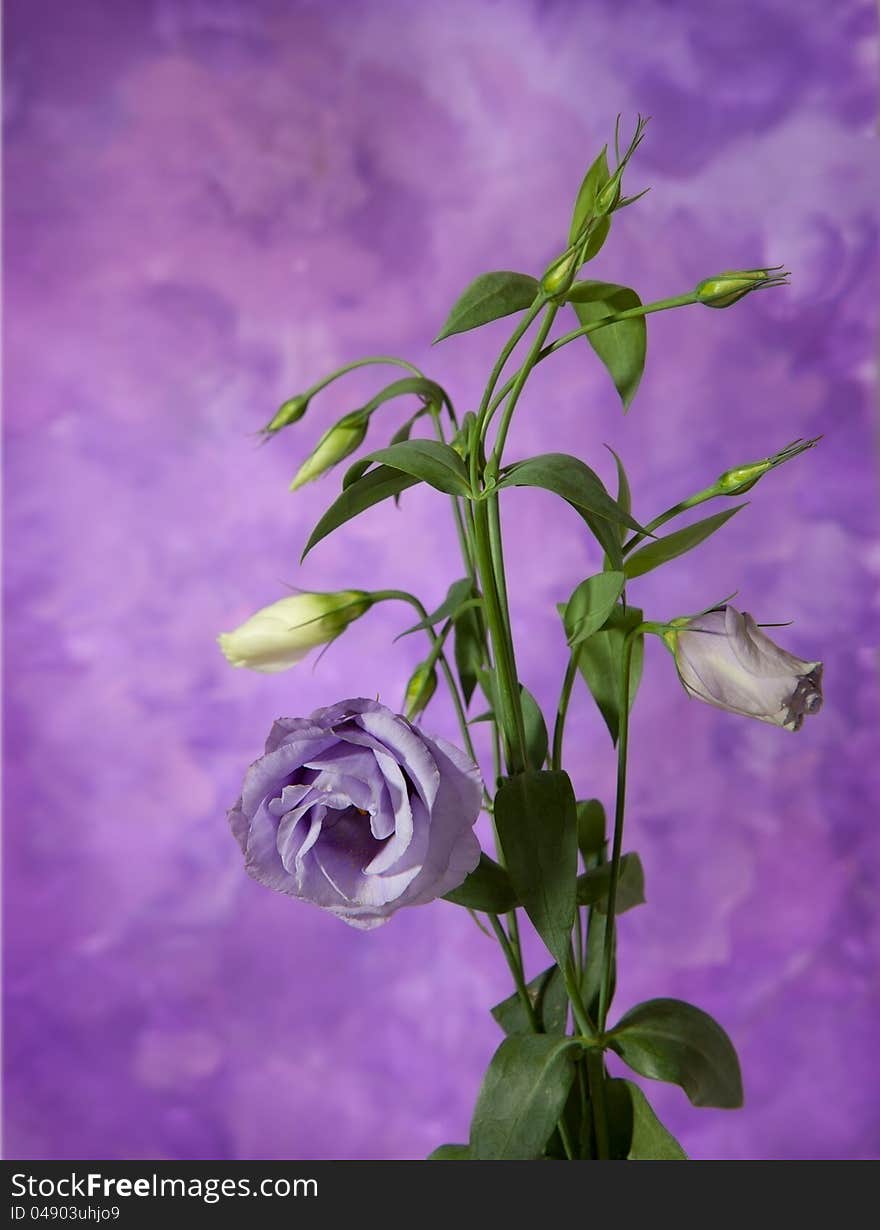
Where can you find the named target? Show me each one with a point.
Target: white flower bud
(282, 633)
(725, 659)
(334, 446)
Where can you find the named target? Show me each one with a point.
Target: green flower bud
(290, 411)
(607, 200)
(419, 690)
(559, 277)
(727, 288)
(741, 479)
(335, 444)
(281, 634)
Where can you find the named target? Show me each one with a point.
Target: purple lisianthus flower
(358, 812)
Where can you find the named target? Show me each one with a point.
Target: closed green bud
(741, 479)
(607, 200)
(290, 411)
(419, 690)
(726, 288)
(334, 446)
(559, 277)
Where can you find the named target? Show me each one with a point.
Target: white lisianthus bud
(335, 445)
(281, 634)
(725, 659)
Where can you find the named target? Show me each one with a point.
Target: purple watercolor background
(208, 206)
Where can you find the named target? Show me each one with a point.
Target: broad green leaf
(536, 819)
(570, 478)
(468, 649)
(549, 999)
(670, 1040)
(489, 297)
(661, 550)
(419, 385)
(522, 1095)
(636, 1133)
(375, 486)
(428, 460)
(585, 203)
(536, 730)
(621, 346)
(590, 605)
(487, 888)
(457, 595)
(592, 886)
(591, 830)
(450, 1153)
(600, 661)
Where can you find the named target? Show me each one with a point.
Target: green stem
(596, 1080)
(519, 381)
(645, 309)
(691, 502)
(562, 710)
(619, 809)
(383, 359)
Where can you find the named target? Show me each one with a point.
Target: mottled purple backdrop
(208, 206)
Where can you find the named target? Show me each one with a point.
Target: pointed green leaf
(590, 605)
(621, 346)
(594, 962)
(670, 1040)
(592, 886)
(450, 1153)
(536, 819)
(591, 829)
(489, 297)
(428, 460)
(536, 730)
(457, 595)
(487, 888)
(635, 1131)
(661, 550)
(419, 385)
(468, 649)
(522, 1095)
(624, 495)
(585, 203)
(549, 999)
(404, 431)
(375, 486)
(570, 478)
(600, 661)
(355, 471)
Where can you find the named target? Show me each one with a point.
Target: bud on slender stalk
(742, 478)
(281, 634)
(290, 411)
(335, 445)
(724, 659)
(420, 689)
(726, 288)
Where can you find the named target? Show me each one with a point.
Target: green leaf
(594, 962)
(590, 605)
(536, 819)
(624, 495)
(600, 661)
(428, 460)
(570, 478)
(585, 203)
(591, 830)
(522, 1095)
(459, 593)
(636, 1133)
(487, 888)
(427, 389)
(537, 743)
(377, 485)
(489, 297)
(670, 1040)
(621, 346)
(450, 1153)
(404, 431)
(592, 886)
(549, 999)
(355, 471)
(672, 545)
(468, 650)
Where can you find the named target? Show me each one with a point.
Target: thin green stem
(383, 359)
(645, 309)
(519, 381)
(596, 1079)
(516, 971)
(677, 509)
(617, 845)
(562, 710)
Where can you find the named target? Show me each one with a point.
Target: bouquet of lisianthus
(356, 809)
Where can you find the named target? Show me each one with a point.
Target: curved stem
(691, 502)
(383, 359)
(562, 710)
